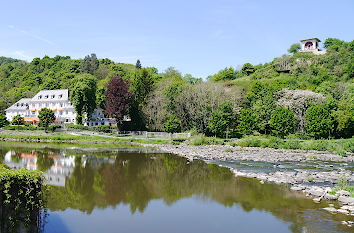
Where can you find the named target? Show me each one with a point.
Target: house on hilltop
(311, 45)
(58, 101)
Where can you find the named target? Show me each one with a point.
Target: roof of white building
(22, 104)
(316, 39)
(52, 95)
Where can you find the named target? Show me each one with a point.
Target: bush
(246, 122)
(17, 120)
(222, 120)
(318, 122)
(283, 122)
(3, 120)
(201, 139)
(172, 125)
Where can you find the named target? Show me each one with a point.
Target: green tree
(222, 120)
(90, 64)
(172, 125)
(46, 117)
(138, 64)
(3, 120)
(247, 69)
(283, 121)
(246, 122)
(83, 95)
(294, 48)
(17, 120)
(318, 122)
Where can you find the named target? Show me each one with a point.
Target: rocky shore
(314, 184)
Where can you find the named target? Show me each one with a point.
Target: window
(46, 97)
(60, 96)
(39, 97)
(53, 96)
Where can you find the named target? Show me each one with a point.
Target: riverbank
(73, 137)
(316, 184)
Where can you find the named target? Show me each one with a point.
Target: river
(99, 189)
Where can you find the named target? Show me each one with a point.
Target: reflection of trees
(44, 162)
(135, 179)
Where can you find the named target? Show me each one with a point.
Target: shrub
(318, 122)
(222, 120)
(3, 120)
(17, 120)
(283, 122)
(172, 125)
(201, 139)
(246, 122)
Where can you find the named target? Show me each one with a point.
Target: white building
(58, 101)
(311, 45)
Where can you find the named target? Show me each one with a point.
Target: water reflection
(97, 181)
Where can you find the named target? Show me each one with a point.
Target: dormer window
(60, 96)
(53, 96)
(46, 97)
(17, 105)
(39, 97)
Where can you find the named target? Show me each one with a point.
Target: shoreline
(297, 181)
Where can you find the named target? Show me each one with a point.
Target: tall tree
(83, 95)
(90, 64)
(138, 64)
(117, 98)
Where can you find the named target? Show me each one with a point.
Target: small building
(311, 45)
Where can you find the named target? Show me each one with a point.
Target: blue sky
(197, 36)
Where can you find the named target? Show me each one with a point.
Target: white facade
(58, 101)
(311, 45)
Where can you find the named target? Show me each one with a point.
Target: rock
(341, 211)
(330, 197)
(317, 199)
(343, 193)
(346, 200)
(297, 188)
(331, 209)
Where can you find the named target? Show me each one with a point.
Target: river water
(99, 189)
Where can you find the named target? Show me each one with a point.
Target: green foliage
(222, 121)
(22, 196)
(226, 74)
(283, 122)
(3, 120)
(318, 122)
(46, 117)
(246, 122)
(248, 69)
(83, 95)
(90, 64)
(17, 120)
(294, 48)
(201, 139)
(173, 125)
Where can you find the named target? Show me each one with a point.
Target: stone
(330, 209)
(330, 197)
(346, 200)
(341, 211)
(343, 193)
(297, 188)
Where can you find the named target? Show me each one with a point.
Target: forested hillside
(302, 93)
